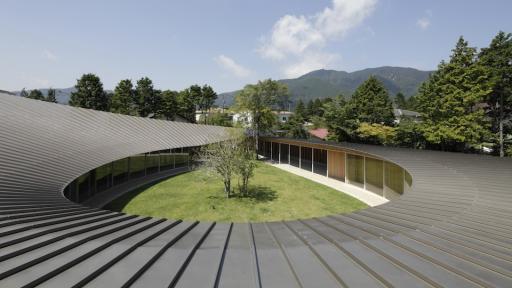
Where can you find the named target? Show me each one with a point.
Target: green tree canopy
(36, 94)
(123, 100)
(169, 107)
(300, 110)
(497, 58)
(148, 98)
(258, 99)
(371, 103)
(24, 93)
(186, 105)
(89, 93)
(448, 100)
(51, 96)
(208, 97)
(400, 101)
(341, 120)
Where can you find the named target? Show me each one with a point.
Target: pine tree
(310, 109)
(208, 97)
(148, 99)
(341, 120)
(24, 93)
(498, 59)
(258, 99)
(123, 100)
(51, 96)
(300, 109)
(449, 100)
(89, 93)
(169, 104)
(186, 106)
(36, 94)
(371, 103)
(400, 101)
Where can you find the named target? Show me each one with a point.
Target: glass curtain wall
(283, 153)
(374, 174)
(121, 170)
(275, 152)
(393, 181)
(103, 177)
(84, 187)
(355, 170)
(137, 166)
(294, 155)
(166, 161)
(306, 155)
(320, 161)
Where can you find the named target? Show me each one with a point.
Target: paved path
(362, 195)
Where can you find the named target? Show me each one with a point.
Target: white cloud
(291, 34)
(303, 38)
(423, 23)
(232, 67)
(47, 54)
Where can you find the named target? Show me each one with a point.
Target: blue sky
(228, 43)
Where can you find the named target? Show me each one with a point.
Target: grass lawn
(278, 195)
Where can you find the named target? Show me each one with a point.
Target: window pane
(355, 170)
(305, 160)
(408, 181)
(181, 160)
(166, 161)
(137, 164)
(152, 163)
(320, 161)
(294, 155)
(394, 180)
(120, 171)
(103, 177)
(275, 152)
(374, 175)
(84, 187)
(283, 153)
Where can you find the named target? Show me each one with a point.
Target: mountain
(329, 83)
(62, 94)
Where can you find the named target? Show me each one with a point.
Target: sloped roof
(451, 230)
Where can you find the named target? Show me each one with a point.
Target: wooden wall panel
(336, 164)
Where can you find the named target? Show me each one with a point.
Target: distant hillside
(62, 94)
(329, 83)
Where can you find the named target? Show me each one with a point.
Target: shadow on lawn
(257, 193)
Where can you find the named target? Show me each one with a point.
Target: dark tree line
(38, 95)
(142, 99)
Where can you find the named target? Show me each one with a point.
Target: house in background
(319, 133)
(245, 118)
(283, 116)
(401, 114)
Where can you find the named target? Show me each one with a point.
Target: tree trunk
(227, 187)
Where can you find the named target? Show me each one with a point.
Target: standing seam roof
(452, 230)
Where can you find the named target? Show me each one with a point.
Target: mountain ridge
(324, 83)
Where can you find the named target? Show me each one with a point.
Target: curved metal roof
(452, 230)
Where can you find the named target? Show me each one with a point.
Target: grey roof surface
(452, 230)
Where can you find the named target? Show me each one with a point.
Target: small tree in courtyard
(245, 163)
(229, 158)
